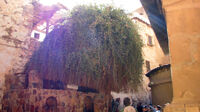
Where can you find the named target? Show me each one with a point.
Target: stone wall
(16, 46)
(152, 53)
(34, 100)
(184, 41)
(182, 19)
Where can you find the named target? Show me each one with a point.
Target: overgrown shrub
(97, 46)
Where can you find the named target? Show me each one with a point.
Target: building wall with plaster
(151, 51)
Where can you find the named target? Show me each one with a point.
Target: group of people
(148, 108)
(89, 106)
(131, 108)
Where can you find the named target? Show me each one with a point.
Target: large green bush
(97, 47)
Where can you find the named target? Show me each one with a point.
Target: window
(36, 35)
(150, 40)
(148, 66)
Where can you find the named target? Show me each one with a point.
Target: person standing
(89, 105)
(139, 107)
(116, 105)
(128, 108)
(156, 108)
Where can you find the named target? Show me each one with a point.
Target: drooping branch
(97, 47)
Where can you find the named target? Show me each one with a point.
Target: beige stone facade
(151, 51)
(182, 18)
(15, 27)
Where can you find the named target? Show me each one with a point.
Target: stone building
(17, 20)
(15, 48)
(153, 54)
(182, 19)
(178, 20)
(152, 51)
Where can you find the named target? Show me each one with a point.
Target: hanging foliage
(97, 47)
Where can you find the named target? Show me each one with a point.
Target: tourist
(128, 108)
(50, 105)
(110, 104)
(139, 107)
(89, 105)
(116, 105)
(134, 104)
(152, 108)
(158, 109)
(145, 109)
(155, 108)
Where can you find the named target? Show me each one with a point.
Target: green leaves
(97, 46)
